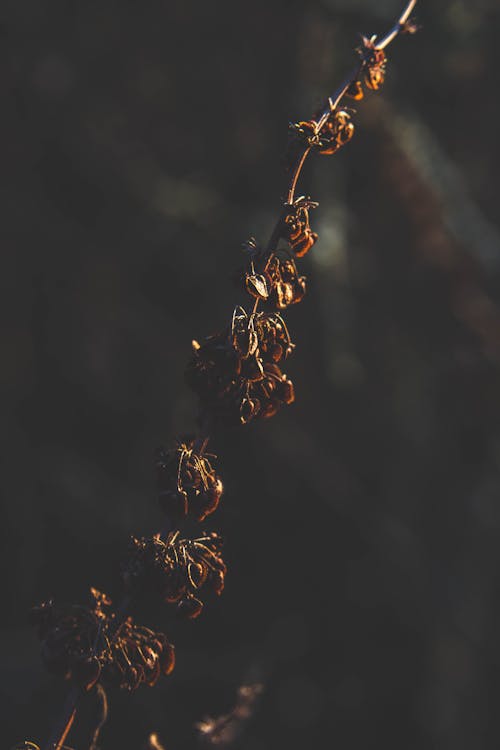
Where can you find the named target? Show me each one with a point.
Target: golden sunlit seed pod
(176, 569)
(297, 228)
(187, 482)
(355, 90)
(374, 63)
(87, 644)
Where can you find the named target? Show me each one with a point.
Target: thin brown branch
(331, 116)
(63, 725)
(398, 26)
(296, 175)
(333, 102)
(335, 99)
(103, 700)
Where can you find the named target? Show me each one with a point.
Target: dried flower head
(274, 279)
(260, 336)
(326, 139)
(70, 638)
(256, 284)
(176, 569)
(138, 656)
(187, 482)
(374, 62)
(297, 230)
(355, 90)
(235, 372)
(287, 287)
(87, 644)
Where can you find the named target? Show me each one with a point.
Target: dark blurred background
(142, 143)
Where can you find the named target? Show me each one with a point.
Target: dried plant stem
(332, 103)
(314, 135)
(103, 699)
(296, 175)
(65, 722)
(398, 26)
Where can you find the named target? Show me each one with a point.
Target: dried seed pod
(290, 288)
(255, 282)
(268, 395)
(229, 370)
(283, 285)
(187, 482)
(176, 569)
(254, 278)
(87, 644)
(68, 634)
(336, 132)
(139, 656)
(305, 133)
(260, 336)
(256, 285)
(328, 139)
(374, 63)
(274, 342)
(355, 91)
(297, 230)
(244, 336)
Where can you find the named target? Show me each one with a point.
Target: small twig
(296, 175)
(398, 26)
(103, 698)
(65, 722)
(332, 103)
(334, 100)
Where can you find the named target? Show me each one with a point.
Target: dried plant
(238, 376)
(224, 730)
